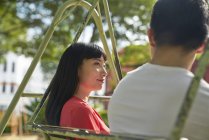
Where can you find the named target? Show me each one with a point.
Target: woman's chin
(98, 87)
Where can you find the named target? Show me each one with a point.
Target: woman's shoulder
(74, 104)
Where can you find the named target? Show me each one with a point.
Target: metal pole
(28, 74)
(25, 81)
(80, 30)
(112, 36)
(42, 48)
(190, 96)
(102, 35)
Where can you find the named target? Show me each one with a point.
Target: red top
(77, 113)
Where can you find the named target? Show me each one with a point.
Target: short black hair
(180, 22)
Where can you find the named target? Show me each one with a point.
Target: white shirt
(148, 100)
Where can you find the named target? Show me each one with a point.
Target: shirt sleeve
(83, 118)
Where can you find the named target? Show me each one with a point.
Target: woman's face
(92, 73)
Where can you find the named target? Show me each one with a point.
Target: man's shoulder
(204, 87)
(133, 74)
(138, 69)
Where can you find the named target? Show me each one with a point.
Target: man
(147, 101)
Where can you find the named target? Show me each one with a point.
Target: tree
(12, 31)
(130, 19)
(31, 108)
(23, 24)
(130, 58)
(134, 55)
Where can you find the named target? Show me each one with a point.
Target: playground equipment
(94, 12)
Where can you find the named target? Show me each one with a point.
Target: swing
(63, 132)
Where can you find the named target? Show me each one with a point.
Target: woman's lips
(100, 80)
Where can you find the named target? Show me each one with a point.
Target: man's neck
(174, 57)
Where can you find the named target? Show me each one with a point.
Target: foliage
(104, 117)
(12, 32)
(130, 58)
(98, 105)
(7, 129)
(23, 23)
(31, 108)
(135, 55)
(130, 19)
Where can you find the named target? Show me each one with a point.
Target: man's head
(180, 23)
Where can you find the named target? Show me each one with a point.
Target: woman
(81, 70)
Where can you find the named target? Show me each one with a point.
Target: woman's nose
(104, 71)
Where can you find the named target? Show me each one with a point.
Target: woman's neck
(82, 93)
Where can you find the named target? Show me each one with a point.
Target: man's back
(148, 99)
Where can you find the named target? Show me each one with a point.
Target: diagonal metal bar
(29, 72)
(103, 38)
(112, 36)
(25, 81)
(86, 20)
(190, 96)
(67, 15)
(41, 104)
(42, 47)
(106, 48)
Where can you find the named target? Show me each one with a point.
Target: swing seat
(60, 133)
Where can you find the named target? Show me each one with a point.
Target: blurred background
(23, 24)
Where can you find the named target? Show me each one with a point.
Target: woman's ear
(150, 34)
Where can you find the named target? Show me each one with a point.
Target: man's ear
(150, 35)
(201, 48)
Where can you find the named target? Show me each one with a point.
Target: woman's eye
(97, 63)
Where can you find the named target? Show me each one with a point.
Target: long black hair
(65, 81)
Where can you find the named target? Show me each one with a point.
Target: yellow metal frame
(115, 68)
